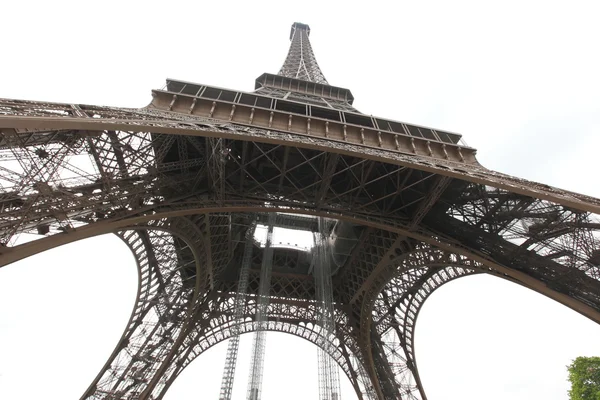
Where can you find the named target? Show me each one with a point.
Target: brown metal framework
(182, 180)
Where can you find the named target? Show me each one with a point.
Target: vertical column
(156, 323)
(258, 346)
(240, 301)
(329, 380)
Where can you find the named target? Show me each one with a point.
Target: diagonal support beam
(437, 189)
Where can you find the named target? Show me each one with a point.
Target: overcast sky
(519, 80)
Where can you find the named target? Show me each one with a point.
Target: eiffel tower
(184, 180)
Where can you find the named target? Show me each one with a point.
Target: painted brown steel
(472, 173)
(185, 176)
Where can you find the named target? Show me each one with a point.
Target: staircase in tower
(184, 180)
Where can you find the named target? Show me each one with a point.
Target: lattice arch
(169, 276)
(304, 331)
(173, 289)
(391, 308)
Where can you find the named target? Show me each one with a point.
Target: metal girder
(255, 377)
(300, 62)
(164, 299)
(401, 285)
(217, 155)
(233, 344)
(395, 313)
(329, 383)
(181, 179)
(160, 122)
(429, 201)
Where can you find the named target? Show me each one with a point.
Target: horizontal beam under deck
(43, 116)
(335, 131)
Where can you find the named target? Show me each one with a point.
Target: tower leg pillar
(159, 321)
(389, 325)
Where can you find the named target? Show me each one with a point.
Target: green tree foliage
(584, 374)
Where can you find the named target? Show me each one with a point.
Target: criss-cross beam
(57, 186)
(554, 231)
(390, 306)
(541, 237)
(216, 159)
(490, 209)
(295, 317)
(185, 351)
(154, 196)
(23, 115)
(213, 322)
(429, 201)
(571, 272)
(301, 62)
(86, 209)
(395, 312)
(180, 179)
(169, 283)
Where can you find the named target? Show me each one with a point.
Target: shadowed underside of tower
(182, 180)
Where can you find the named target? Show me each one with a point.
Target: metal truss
(182, 180)
(255, 378)
(374, 192)
(401, 301)
(233, 344)
(299, 319)
(361, 178)
(301, 62)
(165, 294)
(398, 292)
(562, 234)
(217, 154)
(329, 384)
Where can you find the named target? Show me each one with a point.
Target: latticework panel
(368, 254)
(394, 318)
(298, 318)
(156, 321)
(301, 62)
(165, 294)
(92, 170)
(553, 243)
(390, 308)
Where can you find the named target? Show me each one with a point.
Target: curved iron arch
(399, 321)
(163, 301)
(297, 330)
(137, 239)
(423, 235)
(419, 235)
(427, 264)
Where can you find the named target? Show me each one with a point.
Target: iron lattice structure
(182, 180)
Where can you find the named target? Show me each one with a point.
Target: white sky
(519, 80)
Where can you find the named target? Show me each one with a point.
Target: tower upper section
(300, 79)
(300, 62)
(299, 99)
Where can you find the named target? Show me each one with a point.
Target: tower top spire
(299, 25)
(301, 62)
